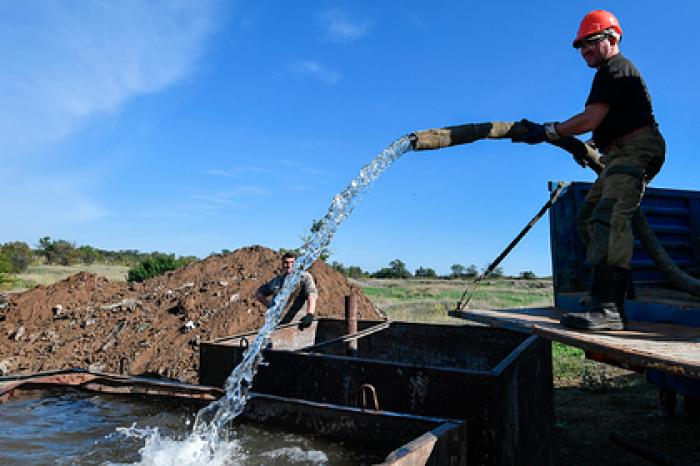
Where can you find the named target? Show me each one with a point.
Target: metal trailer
(663, 336)
(498, 381)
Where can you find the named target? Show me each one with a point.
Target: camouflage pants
(604, 223)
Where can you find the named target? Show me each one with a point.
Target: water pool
(71, 427)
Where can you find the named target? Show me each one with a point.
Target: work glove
(306, 321)
(537, 133)
(430, 139)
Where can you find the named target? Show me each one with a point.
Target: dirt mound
(154, 327)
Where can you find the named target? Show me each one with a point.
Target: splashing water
(210, 422)
(194, 451)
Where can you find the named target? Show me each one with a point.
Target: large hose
(584, 155)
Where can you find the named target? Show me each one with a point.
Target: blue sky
(190, 127)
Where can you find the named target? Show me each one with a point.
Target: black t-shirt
(619, 84)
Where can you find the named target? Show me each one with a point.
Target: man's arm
(311, 301)
(580, 123)
(266, 292)
(311, 296)
(263, 298)
(308, 319)
(309, 286)
(583, 122)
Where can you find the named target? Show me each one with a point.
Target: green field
(424, 300)
(41, 274)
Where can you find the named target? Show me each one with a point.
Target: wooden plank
(669, 348)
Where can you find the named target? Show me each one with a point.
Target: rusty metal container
(499, 381)
(383, 437)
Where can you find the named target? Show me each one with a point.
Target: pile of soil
(155, 327)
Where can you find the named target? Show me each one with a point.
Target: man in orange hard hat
(619, 113)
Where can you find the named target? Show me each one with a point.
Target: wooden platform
(670, 348)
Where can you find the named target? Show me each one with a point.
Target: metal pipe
(351, 319)
(124, 366)
(359, 334)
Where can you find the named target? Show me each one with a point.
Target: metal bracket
(369, 387)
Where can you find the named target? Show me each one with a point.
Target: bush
(5, 265)
(129, 257)
(156, 264)
(427, 272)
(87, 254)
(60, 251)
(335, 265)
(15, 257)
(351, 271)
(458, 270)
(396, 269)
(63, 253)
(528, 275)
(355, 271)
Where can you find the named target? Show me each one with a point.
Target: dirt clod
(157, 325)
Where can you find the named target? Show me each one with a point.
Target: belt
(631, 134)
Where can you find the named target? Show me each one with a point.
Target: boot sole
(573, 323)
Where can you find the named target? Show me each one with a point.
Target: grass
(427, 300)
(42, 274)
(571, 369)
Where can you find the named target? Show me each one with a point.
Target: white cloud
(305, 169)
(211, 202)
(66, 61)
(338, 27)
(315, 70)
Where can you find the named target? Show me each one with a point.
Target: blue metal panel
(674, 215)
(568, 254)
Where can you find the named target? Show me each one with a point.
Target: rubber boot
(603, 313)
(629, 291)
(620, 280)
(592, 299)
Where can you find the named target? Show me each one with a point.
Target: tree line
(397, 269)
(17, 256)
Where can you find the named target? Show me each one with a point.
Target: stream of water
(209, 442)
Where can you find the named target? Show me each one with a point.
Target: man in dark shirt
(619, 113)
(303, 306)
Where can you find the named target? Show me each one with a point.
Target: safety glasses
(590, 41)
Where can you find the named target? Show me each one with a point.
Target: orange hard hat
(595, 22)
